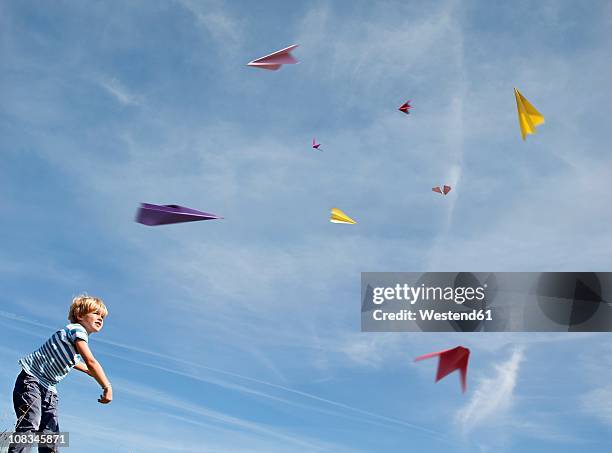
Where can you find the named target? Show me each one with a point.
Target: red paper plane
(451, 360)
(405, 107)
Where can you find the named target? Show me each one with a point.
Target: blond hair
(84, 304)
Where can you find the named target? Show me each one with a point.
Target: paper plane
(450, 360)
(528, 115)
(337, 216)
(405, 107)
(315, 145)
(152, 214)
(276, 59)
(444, 190)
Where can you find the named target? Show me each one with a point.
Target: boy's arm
(82, 367)
(94, 369)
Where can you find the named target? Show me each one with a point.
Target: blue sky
(243, 334)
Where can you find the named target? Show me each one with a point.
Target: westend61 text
(432, 315)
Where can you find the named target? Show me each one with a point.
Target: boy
(35, 396)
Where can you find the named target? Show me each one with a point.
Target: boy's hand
(107, 395)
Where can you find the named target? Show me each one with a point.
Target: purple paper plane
(152, 214)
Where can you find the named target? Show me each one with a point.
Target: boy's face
(92, 322)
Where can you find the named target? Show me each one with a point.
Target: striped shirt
(56, 357)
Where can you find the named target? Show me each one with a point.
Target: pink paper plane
(276, 59)
(405, 107)
(444, 191)
(451, 360)
(315, 145)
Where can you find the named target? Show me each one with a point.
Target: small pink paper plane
(276, 59)
(405, 107)
(444, 191)
(451, 360)
(315, 145)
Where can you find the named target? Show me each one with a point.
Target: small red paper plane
(451, 360)
(405, 107)
(444, 191)
(315, 145)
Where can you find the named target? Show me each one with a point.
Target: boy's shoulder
(76, 331)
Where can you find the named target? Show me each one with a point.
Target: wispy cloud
(372, 350)
(215, 18)
(598, 403)
(157, 436)
(492, 419)
(493, 396)
(114, 87)
(155, 396)
(322, 404)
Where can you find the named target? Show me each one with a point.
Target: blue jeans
(36, 410)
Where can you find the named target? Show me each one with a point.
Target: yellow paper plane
(337, 216)
(528, 115)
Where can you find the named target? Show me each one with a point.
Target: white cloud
(493, 397)
(222, 26)
(598, 403)
(118, 91)
(155, 396)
